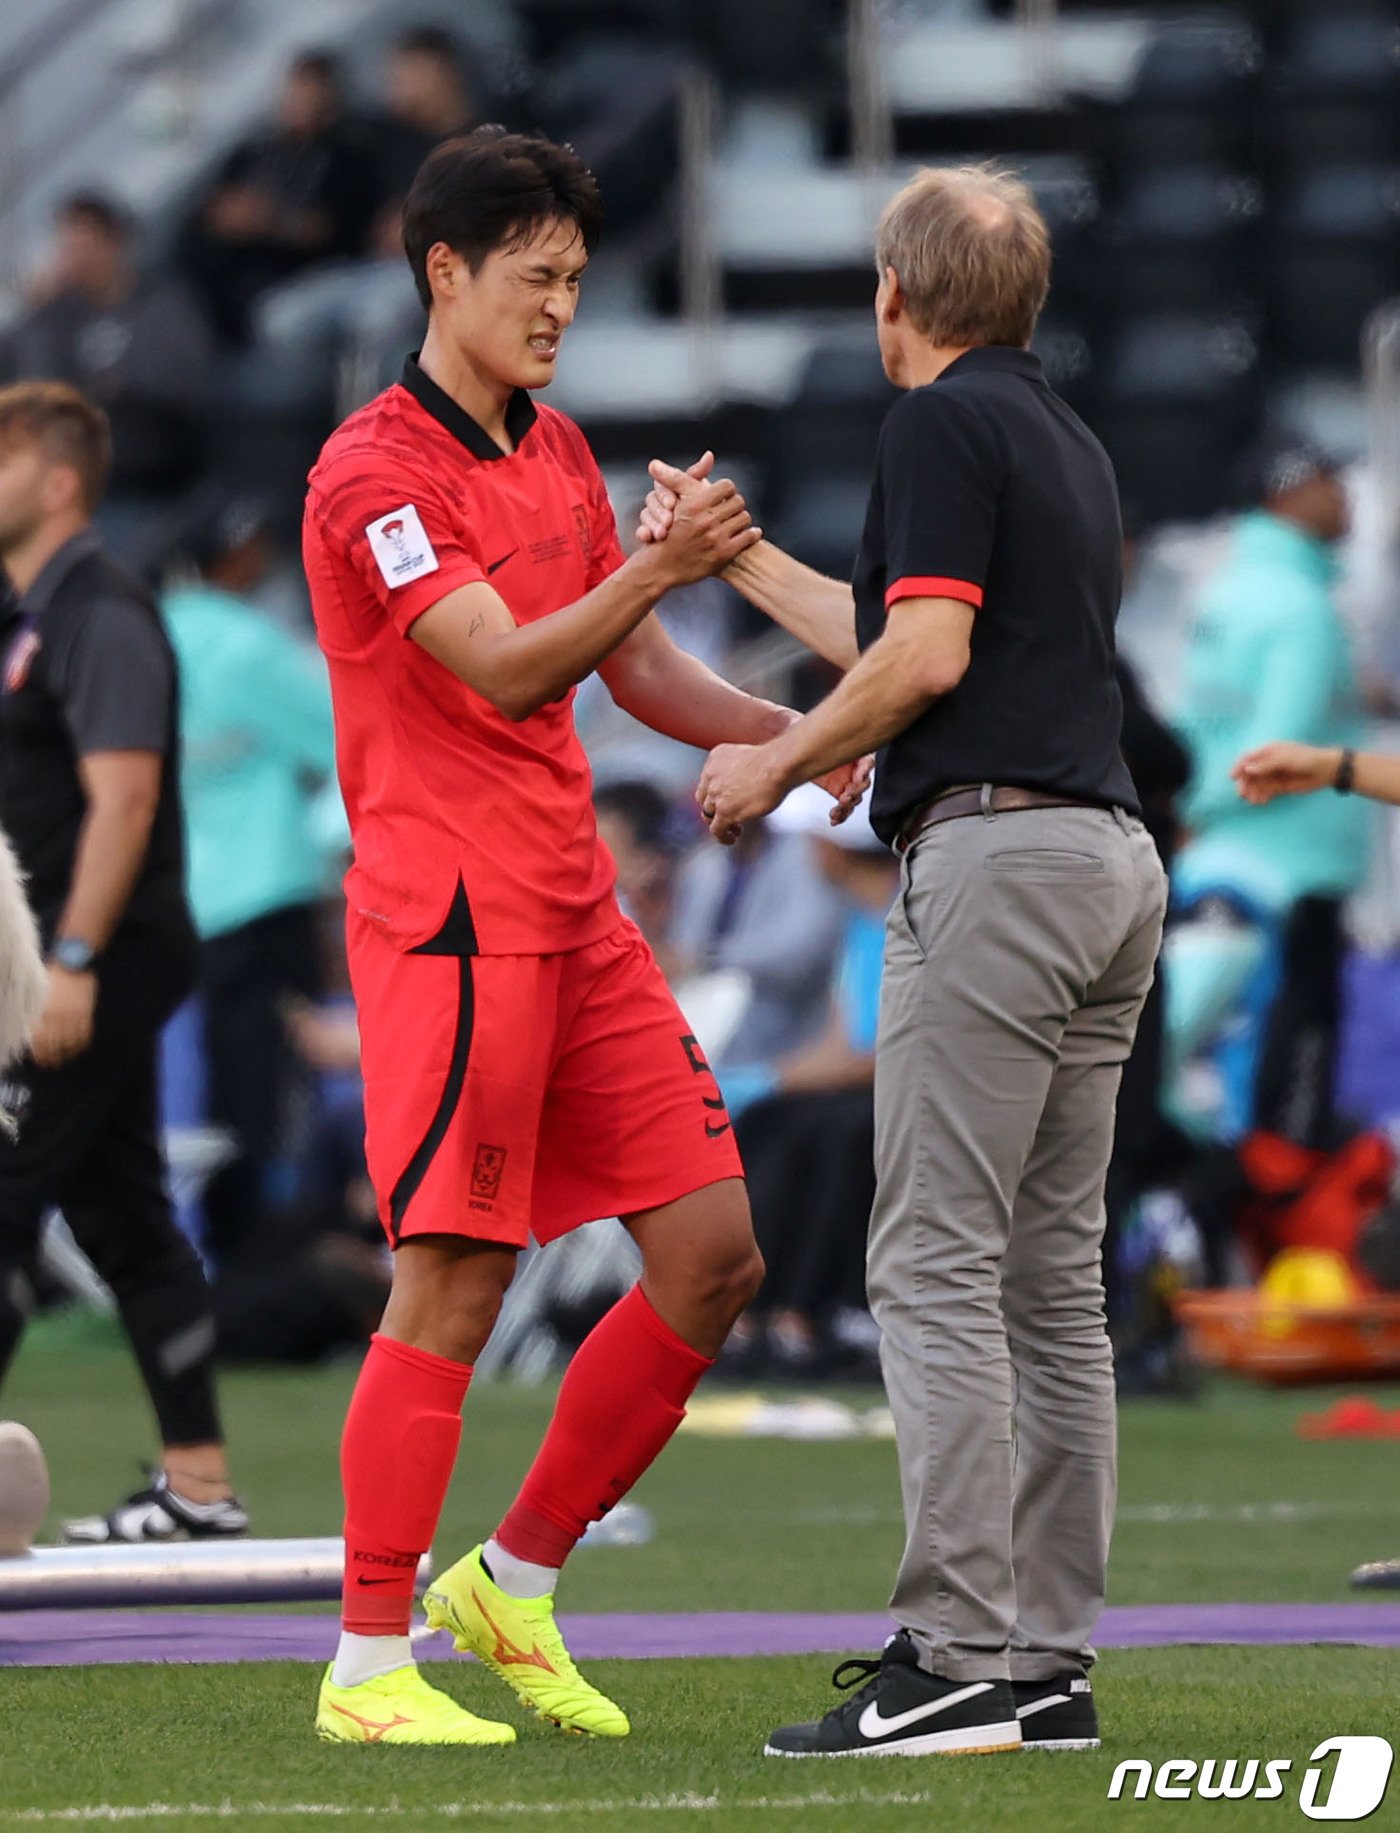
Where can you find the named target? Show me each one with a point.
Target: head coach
(979, 650)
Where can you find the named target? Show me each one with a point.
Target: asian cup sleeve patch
(401, 548)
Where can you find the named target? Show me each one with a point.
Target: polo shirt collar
(520, 413)
(1005, 359)
(57, 568)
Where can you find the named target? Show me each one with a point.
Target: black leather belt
(981, 799)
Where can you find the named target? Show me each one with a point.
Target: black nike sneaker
(900, 1710)
(1057, 1714)
(157, 1513)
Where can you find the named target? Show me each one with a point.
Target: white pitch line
(453, 1810)
(1179, 1514)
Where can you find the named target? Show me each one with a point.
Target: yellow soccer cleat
(518, 1639)
(400, 1708)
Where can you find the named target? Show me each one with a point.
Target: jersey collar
(1008, 359)
(520, 413)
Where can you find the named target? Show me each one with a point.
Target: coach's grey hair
(23, 980)
(971, 252)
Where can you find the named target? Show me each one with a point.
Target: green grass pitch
(1219, 1502)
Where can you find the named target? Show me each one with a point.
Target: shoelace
(856, 1673)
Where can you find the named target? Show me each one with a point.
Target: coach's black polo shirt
(990, 490)
(87, 667)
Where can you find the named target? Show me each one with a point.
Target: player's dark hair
(99, 212)
(492, 189)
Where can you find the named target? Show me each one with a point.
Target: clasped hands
(741, 783)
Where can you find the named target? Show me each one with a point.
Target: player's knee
(731, 1276)
(446, 1298)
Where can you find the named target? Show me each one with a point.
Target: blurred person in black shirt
(89, 750)
(137, 345)
(299, 192)
(427, 96)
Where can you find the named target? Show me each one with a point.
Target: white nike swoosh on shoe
(873, 1724)
(1039, 1705)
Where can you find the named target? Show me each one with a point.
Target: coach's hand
(738, 784)
(64, 1030)
(710, 528)
(667, 488)
(1286, 769)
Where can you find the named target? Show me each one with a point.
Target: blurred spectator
(316, 1277)
(809, 1145)
(354, 319)
(136, 345)
(636, 821)
(297, 193)
(258, 747)
(428, 97)
(762, 908)
(1268, 657)
(1147, 1148)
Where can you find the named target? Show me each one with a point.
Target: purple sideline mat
(59, 1638)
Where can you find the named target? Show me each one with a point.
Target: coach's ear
(891, 304)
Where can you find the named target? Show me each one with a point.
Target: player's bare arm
(922, 656)
(818, 611)
(674, 693)
(521, 668)
(1287, 769)
(123, 792)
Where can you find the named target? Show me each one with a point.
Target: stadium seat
(1334, 256)
(1180, 240)
(823, 521)
(1338, 93)
(1189, 100)
(833, 422)
(1178, 397)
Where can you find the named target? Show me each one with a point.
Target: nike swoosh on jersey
(713, 1132)
(496, 565)
(873, 1724)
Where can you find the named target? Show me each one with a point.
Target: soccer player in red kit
(525, 1066)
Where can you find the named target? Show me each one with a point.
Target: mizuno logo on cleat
(506, 1651)
(373, 1729)
(873, 1724)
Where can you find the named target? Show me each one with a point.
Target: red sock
(621, 1399)
(396, 1460)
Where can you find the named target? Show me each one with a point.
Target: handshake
(703, 524)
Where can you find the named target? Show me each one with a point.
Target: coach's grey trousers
(1018, 956)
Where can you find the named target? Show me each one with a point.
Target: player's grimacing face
(510, 316)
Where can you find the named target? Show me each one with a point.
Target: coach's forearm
(881, 696)
(818, 611)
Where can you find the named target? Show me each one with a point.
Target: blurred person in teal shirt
(1269, 657)
(257, 768)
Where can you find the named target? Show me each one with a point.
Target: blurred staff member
(297, 193)
(1269, 658)
(136, 345)
(980, 646)
(88, 743)
(258, 749)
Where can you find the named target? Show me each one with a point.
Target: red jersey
(471, 832)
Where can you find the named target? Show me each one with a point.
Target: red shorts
(510, 1095)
